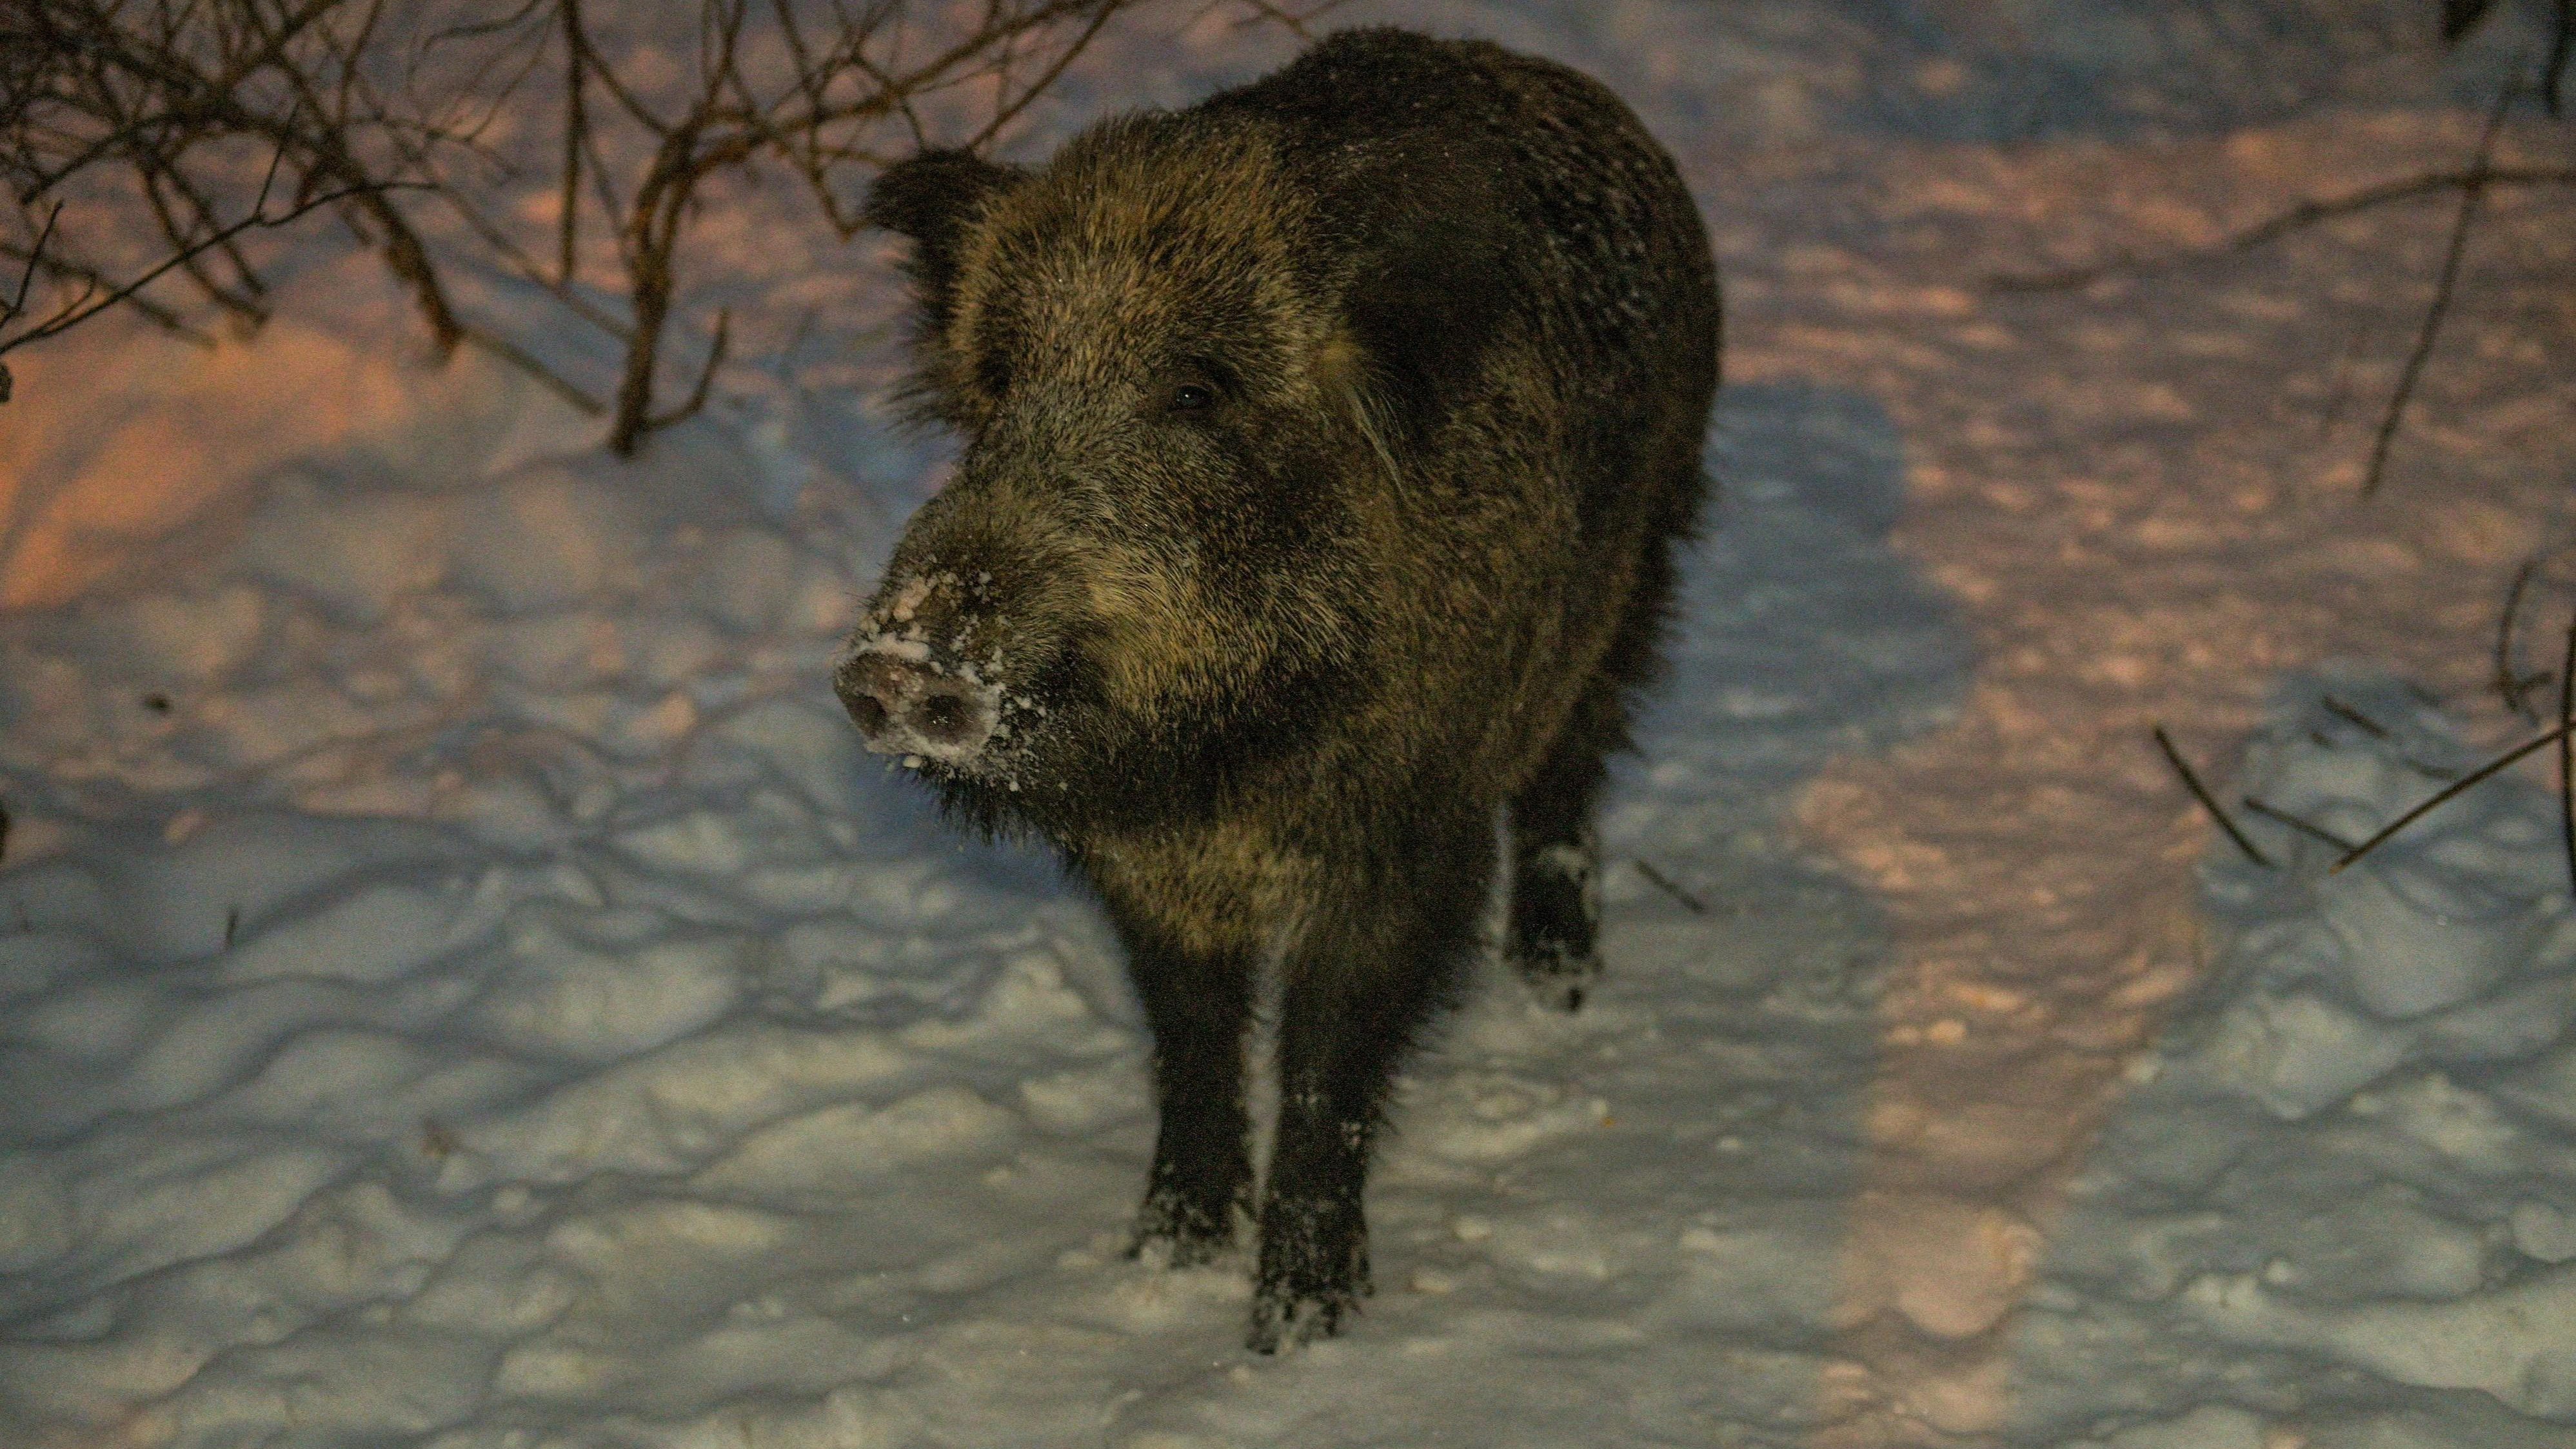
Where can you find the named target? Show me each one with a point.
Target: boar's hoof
(1309, 1280)
(1178, 1247)
(1286, 1318)
(1172, 1232)
(904, 708)
(1556, 919)
(1559, 979)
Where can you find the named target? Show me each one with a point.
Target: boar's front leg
(1198, 1004)
(1384, 949)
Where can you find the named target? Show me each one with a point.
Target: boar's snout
(907, 708)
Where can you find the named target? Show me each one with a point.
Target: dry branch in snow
(173, 113)
(2208, 802)
(2472, 183)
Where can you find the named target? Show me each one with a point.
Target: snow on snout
(907, 698)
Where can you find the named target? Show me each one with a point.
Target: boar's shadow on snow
(1325, 447)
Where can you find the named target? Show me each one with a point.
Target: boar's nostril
(867, 713)
(873, 689)
(902, 707)
(944, 717)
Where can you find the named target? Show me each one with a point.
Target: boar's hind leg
(1385, 951)
(1198, 1004)
(1556, 863)
(1556, 858)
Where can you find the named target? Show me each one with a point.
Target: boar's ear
(929, 200)
(1424, 305)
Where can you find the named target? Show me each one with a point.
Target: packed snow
(464, 984)
(2351, 1146)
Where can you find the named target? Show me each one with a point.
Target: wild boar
(1326, 444)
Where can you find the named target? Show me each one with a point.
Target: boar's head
(1145, 580)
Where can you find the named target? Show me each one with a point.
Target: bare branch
(706, 376)
(358, 99)
(27, 278)
(576, 135)
(2299, 217)
(81, 311)
(2207, 801)
(2453, 790)
(1660, 881)
(2470, 194)
(92, 280)
(1295, 22)
(2304, 827)
(1007, 113)
(2509, 681)
(526, 361)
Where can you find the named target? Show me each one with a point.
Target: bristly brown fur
(1326, 446)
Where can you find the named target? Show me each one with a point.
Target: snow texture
(463, 984)
(2351, 1146)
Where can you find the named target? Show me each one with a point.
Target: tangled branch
(149, 109)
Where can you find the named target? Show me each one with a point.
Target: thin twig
(2450, 792)
(1003, 115)
(706, 378)
(27, 278)
(2470, 194)
(2347, 713)
(2192, 783)
(93, 279)
(2305, 214)
(1294, 22)
(153, 182)
(2304, 827)
(576, 131)
(1657, 878)
(2508, 681)
(146, 82)
(80, 312)
(526, 361)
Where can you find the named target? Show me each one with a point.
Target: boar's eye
(1187, 388)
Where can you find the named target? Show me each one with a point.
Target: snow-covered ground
(461, 985)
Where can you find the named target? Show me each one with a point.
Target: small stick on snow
(2304, 827)
(2449, 792)
(2343, 711)
(2509, 684)
(2305, 214)
(2192, 783)
(2471, 192)
(1697, 906)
